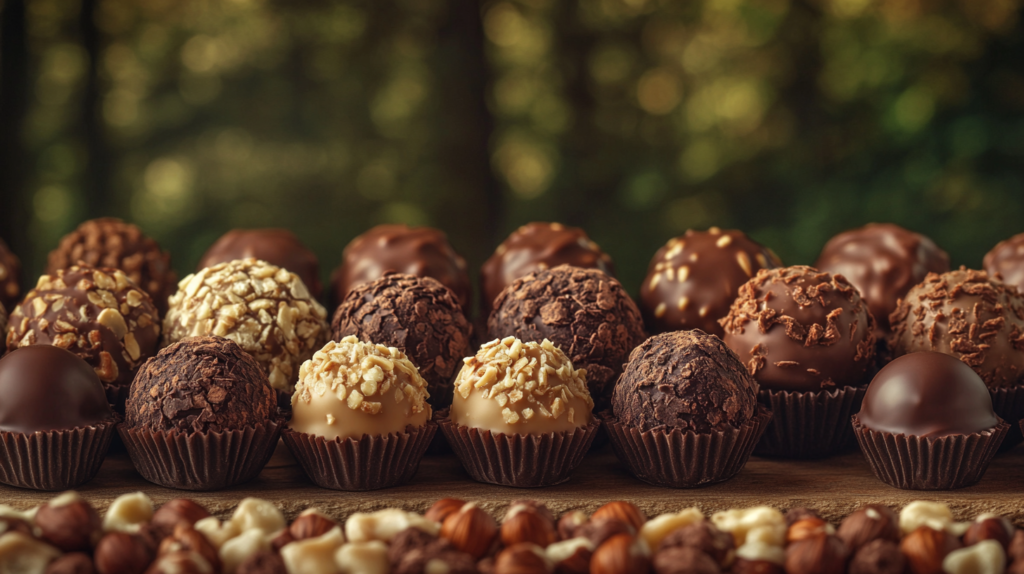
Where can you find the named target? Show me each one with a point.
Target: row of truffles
(134, 536)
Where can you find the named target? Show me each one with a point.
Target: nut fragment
(259, 514)
(757, 524)
(128, 512)
(21, 553)
(470, 530)
(385, 524)
(935, 515)
(623, 511)
(656, 529)
(363, 558)
(925, 548)
(181, 562)
(314, 555)
(817, 554)
(985, 557)
(69, 523)
(621, 554)
(872, 522)
(238, 549)
(571, 556)
(310, 524)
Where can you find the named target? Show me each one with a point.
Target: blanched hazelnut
(935, 515)
(757, 524)
(258, 514)
(181, 562)
(985, 557)
(384, 524)
(128, 512)
(217, 532)
(22, 553)
(363, 558)
(237, 549)
(314, 555)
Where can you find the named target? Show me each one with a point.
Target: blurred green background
(634, 119)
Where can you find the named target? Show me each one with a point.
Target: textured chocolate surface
(536, 247)
(927, 394)
(109, 242)
(203, 384)
(47, 388)
(965, 314)
(686, 380)
(278, 247)
(584, 312)
(883, 261)
(419, 251)
(693, 279)
(10, 277)
(1007, 259)
(417, 315)
(800, 329)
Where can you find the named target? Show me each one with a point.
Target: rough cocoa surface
(200, 384)
(10, 277)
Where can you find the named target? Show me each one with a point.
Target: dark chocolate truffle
(419, 251)
(927, 394)
(966, 314)
(584, 312)
(200, 384)
(883, 261)
(46, 388)
(278, 247)
(417, 315)
(686, 380)
(536, 247)
(800, 329)
(109, 242)
(10, 277)
(693, 279)
(1007, 259)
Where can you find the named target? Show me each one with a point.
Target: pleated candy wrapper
(809, 424)
(1008, 404)
(54, 460)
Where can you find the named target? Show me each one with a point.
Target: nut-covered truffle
(1007, 259)
(350, 389)
(686, 380)
(417, 315)
(800, 329)
(264, 308)
(200, 384)
(513, 387)
(278, 247)
(966, 314)
(584, 312)
(693, 279)
(109, 242)
(10, 277)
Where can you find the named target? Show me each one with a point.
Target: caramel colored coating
(350, 389)
(10, 277)
(275, 246)
(1007, 259)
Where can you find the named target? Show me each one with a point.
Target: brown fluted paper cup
(1008, 404)
(54, 460)
(809, 424)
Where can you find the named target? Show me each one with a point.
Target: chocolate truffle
(536, 247)
(278, 247)
(10, 277)
(350, 389)
(264, 308)
(1007, 259)
(109, 242)
(800, 329)
(966, 314)
(200, 384)
(693, 279)
(98, 314)
(883, 261)
(3, 327)
(417, 315)
(584, 312)
(419, 251)
(686, 380)
(46, 388)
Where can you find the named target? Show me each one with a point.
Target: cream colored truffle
(513, 387)
(350, 389)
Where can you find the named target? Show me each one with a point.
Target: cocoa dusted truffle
(278, 247)
(10, 277)
(419, 251)
(417, 315)
(883, 261)
(686, 380)
(109, 242)
(584, 312)
(1007, 259)
(693, 279)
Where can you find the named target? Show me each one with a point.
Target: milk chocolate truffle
(584, 312)
(536, 247)
(267, 310)
(109, 242)
(417, 315)
(419, 251)
(883, 261)
(278, 247)
(1007, 259)
(800, 329)
(10, 277)
(693, 279)
(966, 314)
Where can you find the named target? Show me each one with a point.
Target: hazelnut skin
(619, 555)
(598, 531)
(528, 525)
(805, 528)
(72, 527)
(443, 509)
(998, 529)
(872, 522)
(177, 510)
(818, 554)
(181, 562)
(569, 522)
(524, 558)
(264, 562)
(797, 514)
(470, 530)
(703, 536)
(684, 560)
(623, 511)
(1015, 550)
(72, 563)
(880, 556)
(187, 539)
(122, 553)
(925, 548)
(310, 526)
(741, 566)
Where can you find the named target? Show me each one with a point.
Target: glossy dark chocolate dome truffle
(686, 380)
(1007, 259)
(883, 261)
(927, 394)
(47, 388)
(278, 247)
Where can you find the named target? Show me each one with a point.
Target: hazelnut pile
(67, 535)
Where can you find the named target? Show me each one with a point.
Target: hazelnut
(177, 510)
(234, 551)
(985, 557)
(597, 531)
(621, 554)
(13, 524)
(571, 556)
(188, 539)
(443, 508)
(69, 523)
(523, 558)
(181, 562)
(743, 566)
(656, 529)
(259, 514)
(757, 524)
(122, 553)
(470, 530)
(281, 539)
(1015, 550)
(127, 512)
(411, 539)
(22, 553)
(988, 527)
(871, 522)
(684, 560)
(264, 562)
(313, 555)
(623, 511)
(526, 524)
(705, 537)
(818, 554)
(538, 507)
(925, 513)
(73, 563)
(385, 524)
(310, 524)
(363, 558)
(798, 514)
(807, 527)
(925, 548)
(568, 524)
(880, 556)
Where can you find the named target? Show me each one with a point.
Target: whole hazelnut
(526, 524)
(684, 560)
(181, 562)
(187, 539)
(568, 524)
(571, 556)
(69, 523)
(623, 511)
(177, 510)
(523, 558)
(807, 527)
(263, 562)
(872, 522)
(880, 556)
(122, 553)
(818, 554)
(703, 536)
(282, 539)
(621, 554)
(470, 530)
(597, 531)
(73, 563)
(797, 514)
(443, 508)
(989, 528)
(310, 525)
(1015, 550)
(742, 566)
(925, 548)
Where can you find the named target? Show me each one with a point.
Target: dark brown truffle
(200, 384)
(686, 380)
(1007, 259)
(584, 312)
(10, 277)
(693, 279)
(965, 314)
(417, 315)
(883, 261)
(109, 242)
(278, 247)
(800, 329)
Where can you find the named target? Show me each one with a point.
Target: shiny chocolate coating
(10, 277)
(693, 279)
(278, 247)
(1007, 259)
(927, 394)
(883, 261)
(46, 388)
